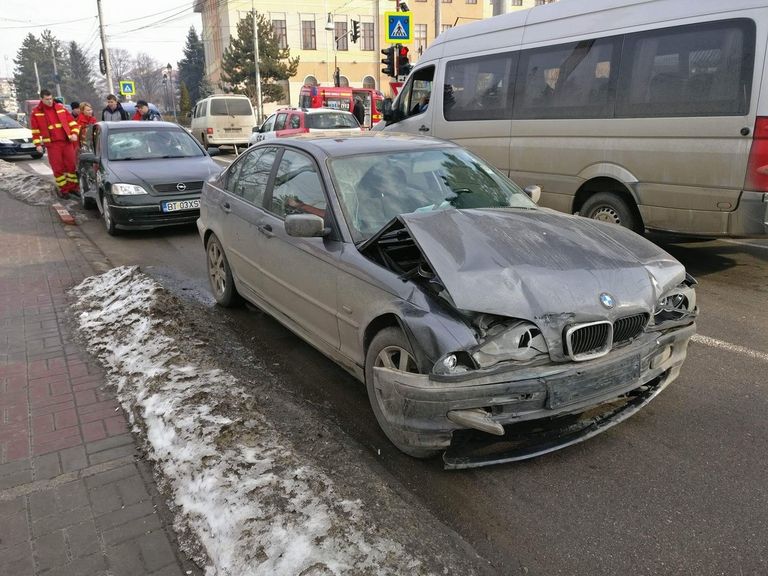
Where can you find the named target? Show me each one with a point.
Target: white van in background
(223, 120)
(652, 114)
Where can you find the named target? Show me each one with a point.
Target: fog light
(450, 361)
(661, 357)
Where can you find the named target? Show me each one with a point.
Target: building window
(308, 39)
(542, 2)
(366, 35)
(471, 1)
(445, 27)
(281, 33)
(515, 2)
(340, 35)
(420, 37)
(446, 1)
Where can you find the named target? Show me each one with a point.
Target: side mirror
(255, 129)
(305, 226)
(386, 109)
(534, 192)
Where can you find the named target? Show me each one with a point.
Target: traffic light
(355, 30)
(389, 61)
(403, 65)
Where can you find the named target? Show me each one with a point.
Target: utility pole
(55, 72)
(107, 65)
(259, 105)
(37, 77)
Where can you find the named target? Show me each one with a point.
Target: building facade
(319, 33)
(8, 101)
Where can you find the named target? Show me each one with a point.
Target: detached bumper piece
(473, 449)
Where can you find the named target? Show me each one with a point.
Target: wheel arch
(609, 185)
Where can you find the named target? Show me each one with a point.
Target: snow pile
(238, 486)
(30, 188)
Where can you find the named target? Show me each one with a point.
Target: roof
(345, 144)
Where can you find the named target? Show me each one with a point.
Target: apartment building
(319, 33)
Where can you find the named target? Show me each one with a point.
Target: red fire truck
(342, 98)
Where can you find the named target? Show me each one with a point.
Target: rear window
(231, 107)
(331, 121)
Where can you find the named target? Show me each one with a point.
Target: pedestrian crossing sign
(398, 26)
(127, 87)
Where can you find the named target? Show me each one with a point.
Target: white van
(652, 114)
(223, 120)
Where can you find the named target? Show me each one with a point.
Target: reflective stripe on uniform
(71, 177)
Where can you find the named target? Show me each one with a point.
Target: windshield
(331, 121)
(374, 188)
(231, 107)
(147, 144)
(8, 122)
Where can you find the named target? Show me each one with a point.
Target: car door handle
(266, 229)
(226, 207)
(424, 128)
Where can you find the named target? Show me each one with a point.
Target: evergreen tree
(31, 51)
(275, 64)
(192, 66)
(80, 83)
(185, 103)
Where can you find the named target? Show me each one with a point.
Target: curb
(64, 214)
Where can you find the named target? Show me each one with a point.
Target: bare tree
(148, 75)
(121, 62)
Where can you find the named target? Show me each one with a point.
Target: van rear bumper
(751, 215)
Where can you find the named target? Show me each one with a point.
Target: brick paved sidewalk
(74, 496)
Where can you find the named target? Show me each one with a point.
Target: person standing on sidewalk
(114, 111)
(85, 118)
(54, 128)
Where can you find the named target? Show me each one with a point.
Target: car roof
(352, 144)
(139, 125)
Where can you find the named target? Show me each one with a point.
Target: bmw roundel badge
(606, 300)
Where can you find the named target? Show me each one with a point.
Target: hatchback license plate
(180, 205)
(27, 145)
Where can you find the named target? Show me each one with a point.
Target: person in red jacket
(54, 128)
(85, 118)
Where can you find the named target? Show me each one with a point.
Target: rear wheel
(390, 349)
(611, 208)
(220, 274)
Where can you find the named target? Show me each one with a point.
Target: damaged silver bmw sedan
(483, 326)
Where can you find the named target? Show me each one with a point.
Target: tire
(204, 139)
(390, 347)
(611, 208)
(109, 222)
(86, 202)
(37, 155)
(220, 274)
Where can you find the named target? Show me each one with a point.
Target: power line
(49, 25)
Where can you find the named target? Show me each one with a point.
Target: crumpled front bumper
(416, 405)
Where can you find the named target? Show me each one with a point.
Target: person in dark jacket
(359, 111)
(114, 111)
(144, 112)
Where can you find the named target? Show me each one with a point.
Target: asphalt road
(680, 488)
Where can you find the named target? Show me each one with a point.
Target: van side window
(575, 80)
(479, 88)
(694, 70)
(414, 98)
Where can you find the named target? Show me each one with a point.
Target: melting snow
(237, 484)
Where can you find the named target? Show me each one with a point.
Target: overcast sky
(157, 27)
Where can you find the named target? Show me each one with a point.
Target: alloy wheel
(216, 268)
(396, 358)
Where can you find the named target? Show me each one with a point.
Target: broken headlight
(676, 304)
(510, 340)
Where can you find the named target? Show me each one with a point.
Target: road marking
(763, 246)
(41, 168)
(715, 343)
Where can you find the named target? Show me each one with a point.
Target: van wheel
(611, 208)
(204, 140)
(390, 349)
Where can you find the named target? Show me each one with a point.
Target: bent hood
(540, 264)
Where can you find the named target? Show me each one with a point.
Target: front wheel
(611, 208)
(109, 222)
(220, 274)
(390, 349)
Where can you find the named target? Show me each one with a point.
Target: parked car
(293, 121)
(143, 174)
(15, 139)
(470, 313)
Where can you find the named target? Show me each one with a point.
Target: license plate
(27, 145)
(233, 129)
(180, 205)
(574, 388)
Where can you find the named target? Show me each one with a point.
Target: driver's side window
(414, 98)
(268, 124)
